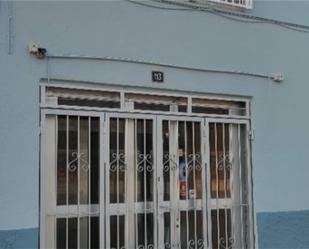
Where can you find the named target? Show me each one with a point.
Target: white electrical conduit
(277, 77)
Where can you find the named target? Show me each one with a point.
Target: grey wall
(119, 28)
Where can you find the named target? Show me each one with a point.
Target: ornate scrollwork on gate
(194, 162)
(149, 246)
(167, 245)
(118, 161)
(145, 162)
(226, 244)
(169, 163)
(224, 160)
(78, 158)
(199, 244)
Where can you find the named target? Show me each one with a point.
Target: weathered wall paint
(276, 230)
(119, 28)
(19, 239)
(283, 229)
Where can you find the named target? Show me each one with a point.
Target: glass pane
(197, 160)
(73, 160)
(220, 160)
(167, 230)
(84, 156)
(84, 232)
(70, 157)
(113, 231)
(89, 103)
(227, 160)
(149, 160)
(144, 157)
(113, 145)
(94, 228)
(213, 155)
(72, 233)
(117, 160)
(61, 233)
(184, 229)
(121, 162)
(165, 160)
(191, 229)
(117, 231)
(199, 230)
(95, 159)
(61, 160)
(182, 157)
(140, 147)
(145, 229)
(221, 229)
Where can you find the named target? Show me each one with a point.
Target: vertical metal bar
(136, 182)
(78, 182)
(145, 186)
(208, 189)
(160, 182)
(129, 179)
(217, 187)
(56, 179)
(117, 184)
(67, 180)
(233, 181)
(89, 182)
(104, 181)
(185, 153)
(225, 183)
(172, 179)
(154, 177)
(176, 184)
(240, 186)
(251, 223)
(194, 181)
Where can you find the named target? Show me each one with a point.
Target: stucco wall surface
(194, 39)
(283, 229)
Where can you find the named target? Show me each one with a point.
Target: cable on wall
(277, 77)
(231, 15)
(10, 34)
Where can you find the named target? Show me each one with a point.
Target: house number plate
(157, 76)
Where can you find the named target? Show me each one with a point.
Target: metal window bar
(194, 184)
(136, 182)
(67, 179)
(89, 182)
(240, 188)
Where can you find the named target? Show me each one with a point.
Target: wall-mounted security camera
(39, 52)
(278, 77)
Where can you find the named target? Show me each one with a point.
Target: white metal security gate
(146, 181)
(181, 183)
(131, 198)
(155, 182)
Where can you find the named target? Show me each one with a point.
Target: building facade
(154, 124)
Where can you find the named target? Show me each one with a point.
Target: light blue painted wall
(118, 28)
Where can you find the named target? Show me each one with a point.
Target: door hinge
(251, 135)
(41, 130)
